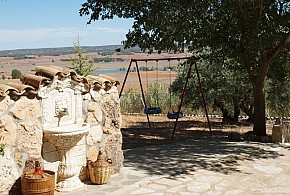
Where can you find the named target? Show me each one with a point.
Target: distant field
(25, 65)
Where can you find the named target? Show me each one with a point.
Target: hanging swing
(173, 114)
(150, 109)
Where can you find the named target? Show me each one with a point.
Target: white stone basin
(65, 138)
(68, 129)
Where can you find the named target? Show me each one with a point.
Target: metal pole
(142, 91)
(182, 96)
(160, 59)
(125, 79)
(203, 99)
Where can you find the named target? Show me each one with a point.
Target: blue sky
(26, 24)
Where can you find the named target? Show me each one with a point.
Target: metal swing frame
(192, 62)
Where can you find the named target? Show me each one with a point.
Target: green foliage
(225, 87)
(82, 64)
(16, 74)
(278, 88)
(156, 95)
(249, 33)
(107, 59)
(24, 57)
(107, 52)
(65, 60)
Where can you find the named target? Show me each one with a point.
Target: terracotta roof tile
(34, 80)
(45, 75)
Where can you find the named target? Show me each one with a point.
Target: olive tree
(253, 33)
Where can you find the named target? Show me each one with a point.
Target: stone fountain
(63, 127)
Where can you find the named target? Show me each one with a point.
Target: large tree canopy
(253, 33)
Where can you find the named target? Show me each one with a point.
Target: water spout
(61, 113)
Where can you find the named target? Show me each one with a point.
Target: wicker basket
(38, 184)
(100, 171)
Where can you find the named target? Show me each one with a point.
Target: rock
(113, 150)
(95, 135)
(92, 153)
(110, 105)
(26, 109)
(235, 136)
(5, 102)
(94, 114)
(32, 131)
(8, 171)
(8, 130)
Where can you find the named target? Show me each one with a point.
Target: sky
(29, 24)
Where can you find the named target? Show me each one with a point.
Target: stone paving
(206, 167)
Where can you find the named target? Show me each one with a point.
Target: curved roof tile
(45, 75)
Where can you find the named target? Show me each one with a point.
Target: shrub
(16, 74)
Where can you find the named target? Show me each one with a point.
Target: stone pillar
(281, 131)
(277, 131)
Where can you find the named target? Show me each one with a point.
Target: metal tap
(62, 112)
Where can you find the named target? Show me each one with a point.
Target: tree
(82, 64)
(278, 88)
(15, 74)
(253, 33)
(226, 87)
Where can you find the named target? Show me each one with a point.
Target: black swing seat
(152, 110)
(174, 115)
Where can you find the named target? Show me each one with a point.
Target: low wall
(22, 136)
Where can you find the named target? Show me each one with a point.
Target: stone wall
(21, 133)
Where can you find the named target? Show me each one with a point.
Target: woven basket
(38, 184)
(100, 171)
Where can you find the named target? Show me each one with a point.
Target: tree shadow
(193, 148)
(138, 134)
(185, 157)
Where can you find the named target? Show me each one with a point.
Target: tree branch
(262, 2)
(266, 61)
(248, 64)
(245, 19)
(278, 48)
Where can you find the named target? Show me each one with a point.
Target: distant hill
(62, 50)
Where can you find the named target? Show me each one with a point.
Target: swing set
(148, 109)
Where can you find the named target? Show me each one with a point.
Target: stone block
(94, 114)
(95, 135)
(5, 102)
(92, 153)
(281, 132)
(26, 109)
(8, 171)
(8, 130)
(277, 134)
(286, 131)
(30, 137)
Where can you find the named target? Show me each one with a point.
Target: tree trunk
(259, 109)
(248, 110)
(237, 112)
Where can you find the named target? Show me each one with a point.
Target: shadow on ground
(193, 147)
(138, 133)
(184, 157)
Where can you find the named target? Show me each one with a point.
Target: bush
(16, 74)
